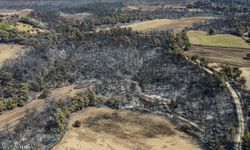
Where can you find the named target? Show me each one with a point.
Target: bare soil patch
(122, 130)
(76, 16)
(11, 12)
(152, 7)
(12, 117)
(10, 51)
(168, 24)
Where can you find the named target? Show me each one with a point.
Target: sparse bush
(211, 31)
(77, 124)
(194, 58)
(44, 94)
(112, 103)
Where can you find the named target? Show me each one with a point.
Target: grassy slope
(27, 28)
(222, 40)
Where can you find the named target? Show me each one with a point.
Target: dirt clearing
(122, 130)
(168, 24)
(76, 16)
(11, 12)
(246, 75)
(10, 52)
(12, 117)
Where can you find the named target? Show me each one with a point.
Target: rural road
(240, 117)
(12, 117)
(152, 98)
(239, 111)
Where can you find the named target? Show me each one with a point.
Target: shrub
(44, 94)
(112, 103)
(77, 124)
(211, 31)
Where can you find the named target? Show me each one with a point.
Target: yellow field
(108, 129)
(27, 28)
(222, 40)
(12, 117)
(168, 24)
(10, 51)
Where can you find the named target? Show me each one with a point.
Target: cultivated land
(123, 130)
(12, 117)
(10, 51)
(223, 40)
(224, 55)
(168, 24)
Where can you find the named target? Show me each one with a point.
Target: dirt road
(239, 111)
(241, 125)
(12, 117)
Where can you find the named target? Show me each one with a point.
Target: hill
(122, 130)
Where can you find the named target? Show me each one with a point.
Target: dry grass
(152, 7)
(223, 40)
(10, 12)
(28, 28)
(122, 130)
(168, 24)
(246, 75)
(76, 16)
(10, 52)
(12, 117)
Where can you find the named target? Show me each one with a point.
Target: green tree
(2, 105)
(23, 93)
(211, 31)
(240, 29)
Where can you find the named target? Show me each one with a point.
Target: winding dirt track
(12, 117)
(239, 111)
(241, 121)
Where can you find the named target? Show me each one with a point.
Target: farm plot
(223, 40)
(168, 24)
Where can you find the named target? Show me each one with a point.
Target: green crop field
(222, 40)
